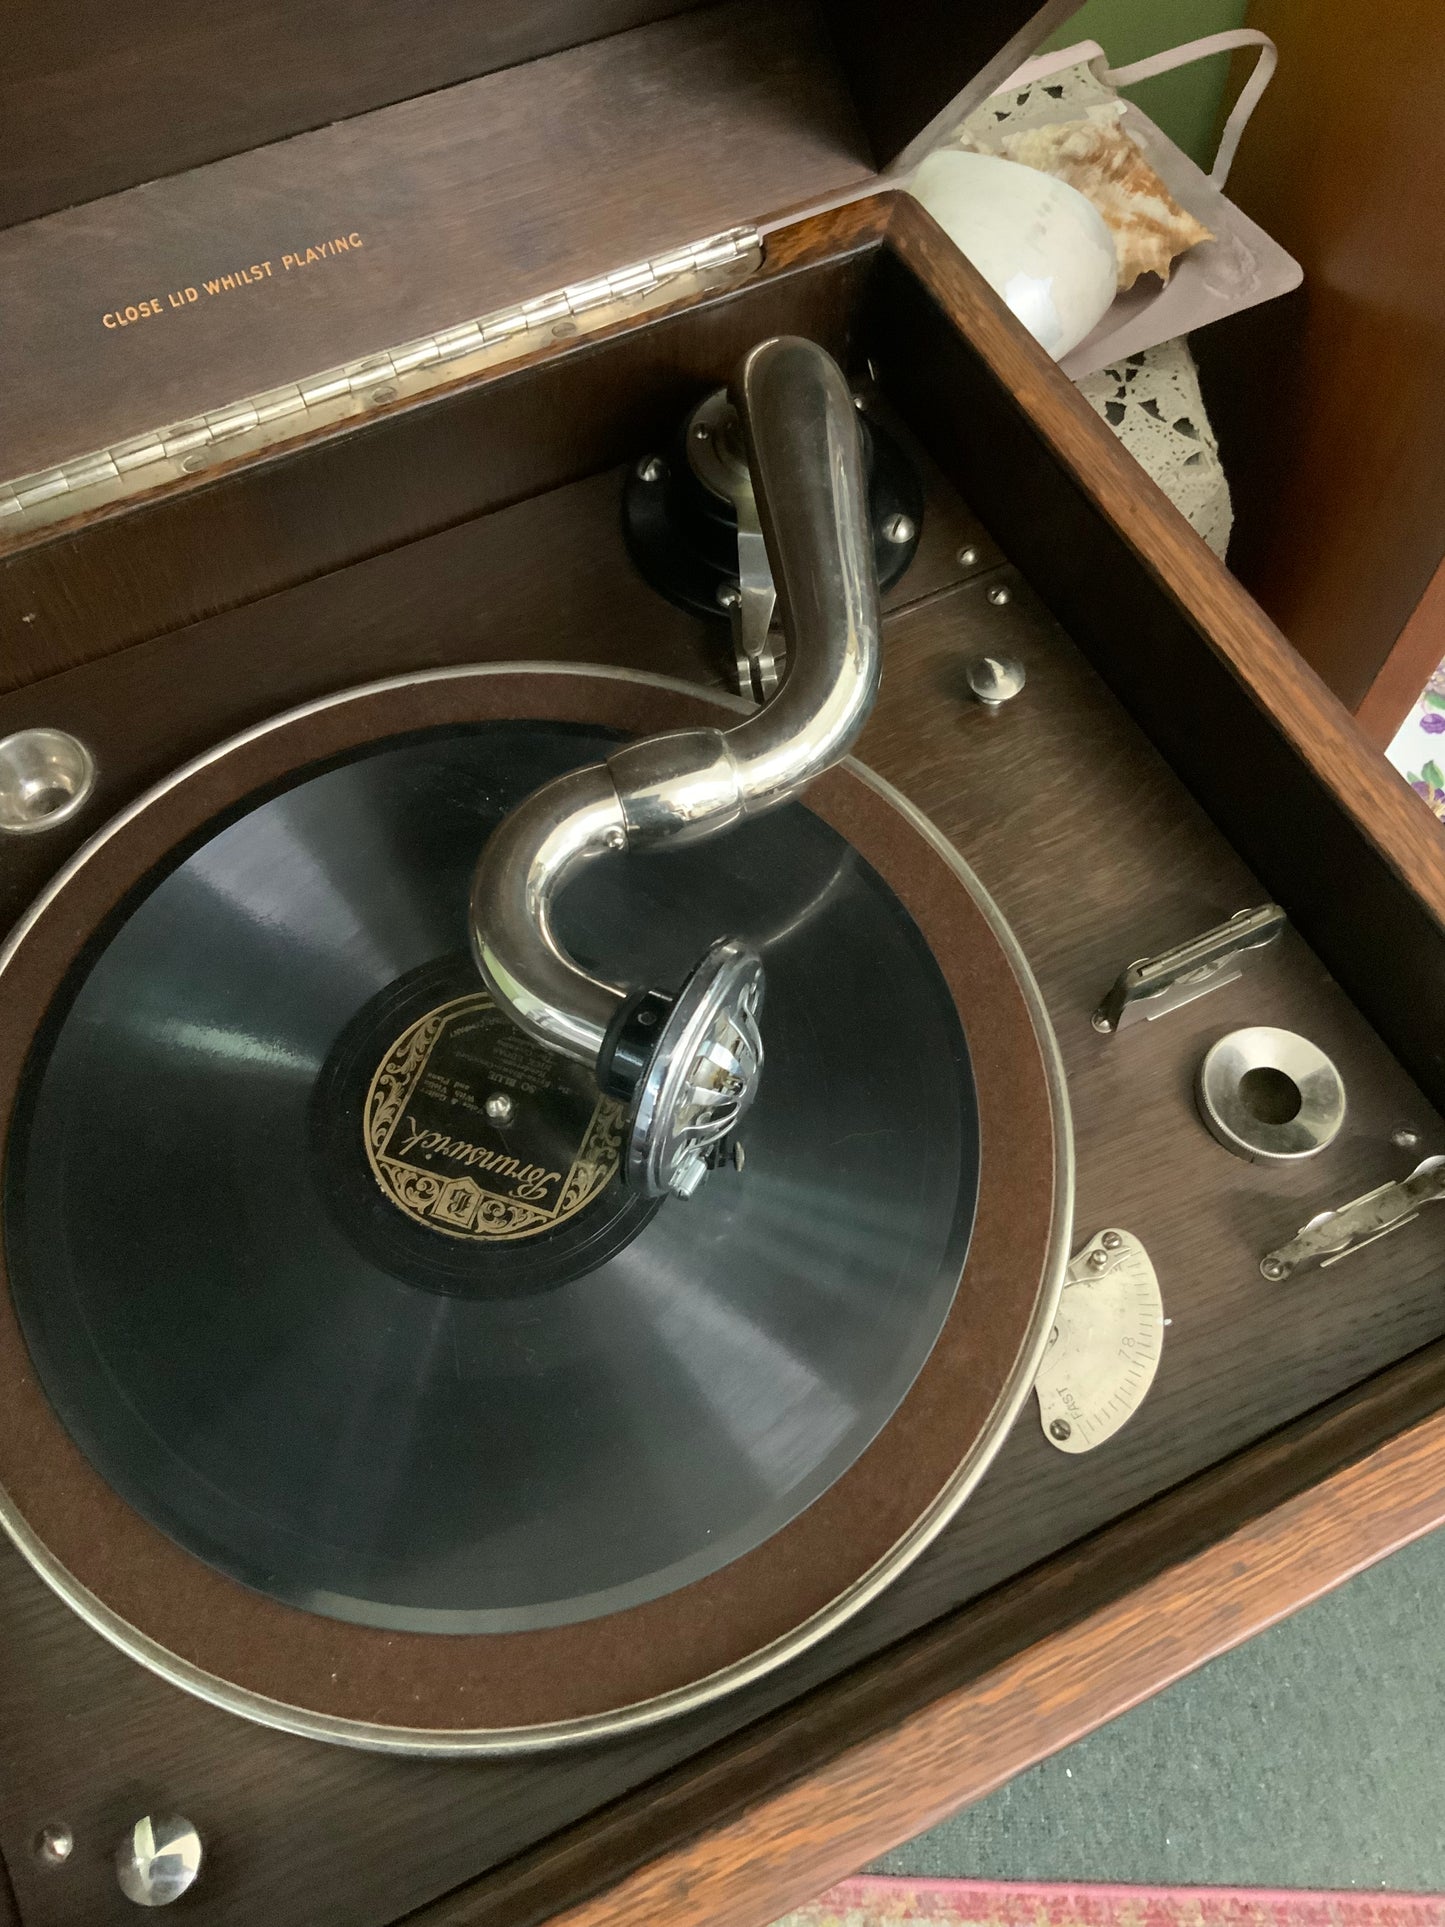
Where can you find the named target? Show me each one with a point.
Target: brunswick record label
(475, 1130)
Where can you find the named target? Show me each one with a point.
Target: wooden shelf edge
(968, 1744)
(1320, 732)
(1418, 650)
(769, 1819)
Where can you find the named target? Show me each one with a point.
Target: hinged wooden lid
(208, 293)
(96, 98)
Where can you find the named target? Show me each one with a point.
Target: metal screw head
(192, 463)
(689, 1174)
(701, 432)
(1111, 1241)
(158, 1860)
(728, 595)
(1271, 1268)
(500, 1108)
(968, 557)
(54, 1846)
(652, 468)
(859, 403)
(996, 680)
(1405, 1139)
(899, 529)
(739, 1157)
(385, 393)
(999, 594)
(1060, 1428)
(1098, 1259)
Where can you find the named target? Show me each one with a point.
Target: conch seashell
(1098, 157)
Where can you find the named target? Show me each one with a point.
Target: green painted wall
(1184, 103)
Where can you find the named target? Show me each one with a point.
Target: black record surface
(350, 1429)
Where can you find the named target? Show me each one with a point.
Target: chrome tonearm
(689, 1064)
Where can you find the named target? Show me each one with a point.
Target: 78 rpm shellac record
(361, 1350)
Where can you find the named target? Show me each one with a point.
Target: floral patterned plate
(1418, 750)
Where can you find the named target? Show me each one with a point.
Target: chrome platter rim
(430, 1742)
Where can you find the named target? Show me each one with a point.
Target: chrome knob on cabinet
(158, 1860)
(46, 775)
(995, 680)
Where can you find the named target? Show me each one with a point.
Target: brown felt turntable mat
(326, 1675)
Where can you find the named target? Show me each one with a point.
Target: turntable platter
(345, 1314)
(336, 1421)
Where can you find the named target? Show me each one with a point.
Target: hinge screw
(998, 595)
(899, 529)
(968, 557)
(1098, 1259)
(1061, 1429)
(1112, 1241)
(652, 468)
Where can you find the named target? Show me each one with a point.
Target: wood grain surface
(1096, 854)
(1285, 771)
(1417, 652)
(907, 64)
(95, 99)
(199, 547)
(1331, 411)
(147, 708)
(464, 201)
(954, 1723)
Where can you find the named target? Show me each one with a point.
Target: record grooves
(267, 1239)
(289, 1408)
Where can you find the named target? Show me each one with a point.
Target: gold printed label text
(232, 280)
(440, 1159)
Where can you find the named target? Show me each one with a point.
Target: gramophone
(721, 1089)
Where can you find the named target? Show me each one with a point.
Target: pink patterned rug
(873, 1902)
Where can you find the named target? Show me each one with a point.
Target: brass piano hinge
(263, 422)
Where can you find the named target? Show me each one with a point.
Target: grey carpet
(1312, 1757)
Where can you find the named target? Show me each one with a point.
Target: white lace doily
(1152, 402)
(1068, 94)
